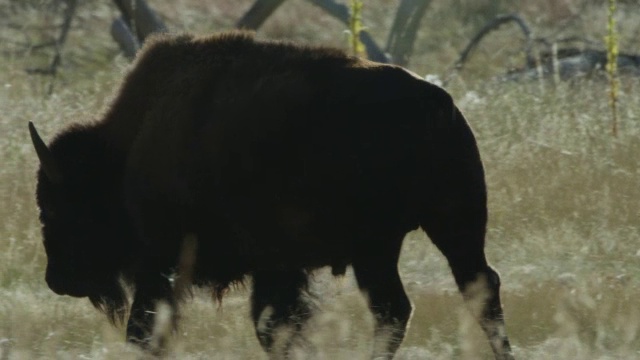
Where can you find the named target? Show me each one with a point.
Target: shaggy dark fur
(276, 159)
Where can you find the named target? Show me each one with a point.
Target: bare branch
(139, 17)
(493, 25)
(137, 22)
(127, 41)
(404, 29)
(258, 14)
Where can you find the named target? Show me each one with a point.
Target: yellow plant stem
(612, 65)
(355, 27)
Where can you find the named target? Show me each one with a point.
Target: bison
(274, 159)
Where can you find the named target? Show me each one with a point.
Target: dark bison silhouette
(272, 160)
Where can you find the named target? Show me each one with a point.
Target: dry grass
(564, 194)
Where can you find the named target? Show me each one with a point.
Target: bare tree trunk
(404, 30)
(140, 18)
(137, 22)
(262, 9)
(258, 14)
(127, 41)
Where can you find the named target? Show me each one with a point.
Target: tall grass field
(564, 194)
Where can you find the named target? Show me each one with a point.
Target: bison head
(87, 234)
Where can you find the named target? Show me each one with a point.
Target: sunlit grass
(563, 197)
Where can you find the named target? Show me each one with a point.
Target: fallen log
(572, 63)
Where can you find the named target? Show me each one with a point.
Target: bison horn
(47, 162)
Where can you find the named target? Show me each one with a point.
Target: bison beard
(272, 160)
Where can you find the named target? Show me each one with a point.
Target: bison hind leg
(279, 309)
(460, 238)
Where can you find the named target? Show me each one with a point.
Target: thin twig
(52, 70)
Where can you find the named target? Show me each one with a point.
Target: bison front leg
(153, 313)
(279, 310)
